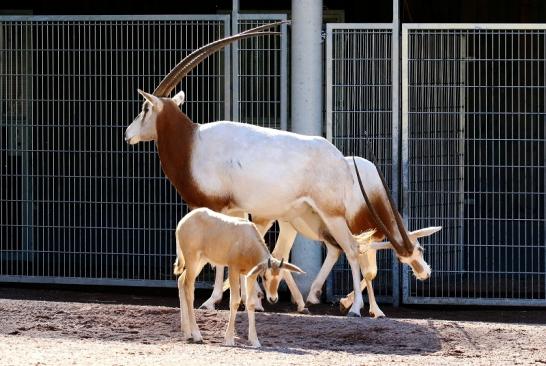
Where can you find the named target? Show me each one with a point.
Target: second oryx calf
(204, 236)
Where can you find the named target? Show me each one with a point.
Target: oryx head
(405, 245)
(144, 127)
(416, 261)
(271, 274)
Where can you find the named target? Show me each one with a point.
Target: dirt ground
(56, 327)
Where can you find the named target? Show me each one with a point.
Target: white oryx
(204, 236)
(310, 226)
(235, 168)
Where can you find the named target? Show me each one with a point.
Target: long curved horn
(373, 212)
(408, 245)
(406, 242)
(191, 61)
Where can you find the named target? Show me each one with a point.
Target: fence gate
(358, 102)
(78, 204)
(473, 135)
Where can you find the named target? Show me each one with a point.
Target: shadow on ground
(278, 332)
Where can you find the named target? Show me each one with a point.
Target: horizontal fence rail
(358, 104)
(79, 205)
(474, 121)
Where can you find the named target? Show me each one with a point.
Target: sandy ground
(34, 332)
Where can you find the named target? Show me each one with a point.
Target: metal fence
(474, 158)
(359, 102)
(78, 204)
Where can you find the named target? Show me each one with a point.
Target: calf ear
(292, 268)
(259, 268)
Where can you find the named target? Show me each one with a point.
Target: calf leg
(234, 302)
(192, 270)
(251, 298)
(184, 317)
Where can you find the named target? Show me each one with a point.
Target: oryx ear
(257, 269)
(425, 232)
(291, 267)
(375, 246)
(382, 245)
(154, 101)
(179, 98)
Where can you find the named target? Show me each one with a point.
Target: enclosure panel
(474, 142)
(358, 112)
(79, 205)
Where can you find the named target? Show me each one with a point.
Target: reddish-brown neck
(175, 141)
(364, 221)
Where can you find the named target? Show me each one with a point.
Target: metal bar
(395, 170)
(404, 154)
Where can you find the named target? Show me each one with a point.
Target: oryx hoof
(377, 315)
(342, 309)
(352, 314)
(304, 311)
(197, 339)
(207, 306)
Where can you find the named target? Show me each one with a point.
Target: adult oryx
(273, 175)
(371, 221)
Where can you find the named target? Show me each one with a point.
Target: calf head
(271, 273)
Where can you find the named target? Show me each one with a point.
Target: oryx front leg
(332, 255)
(346, 302)
(217, 291)
(337, 226)
(287, 235)
(234, 302)
(257, 292)
(375, 312)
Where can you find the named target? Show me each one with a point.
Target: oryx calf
(204, 236)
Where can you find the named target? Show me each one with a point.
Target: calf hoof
(255, 344)
(352, 314)
(304, 311)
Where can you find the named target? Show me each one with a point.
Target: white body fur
(237, 167)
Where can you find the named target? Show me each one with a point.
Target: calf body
(204, 236)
